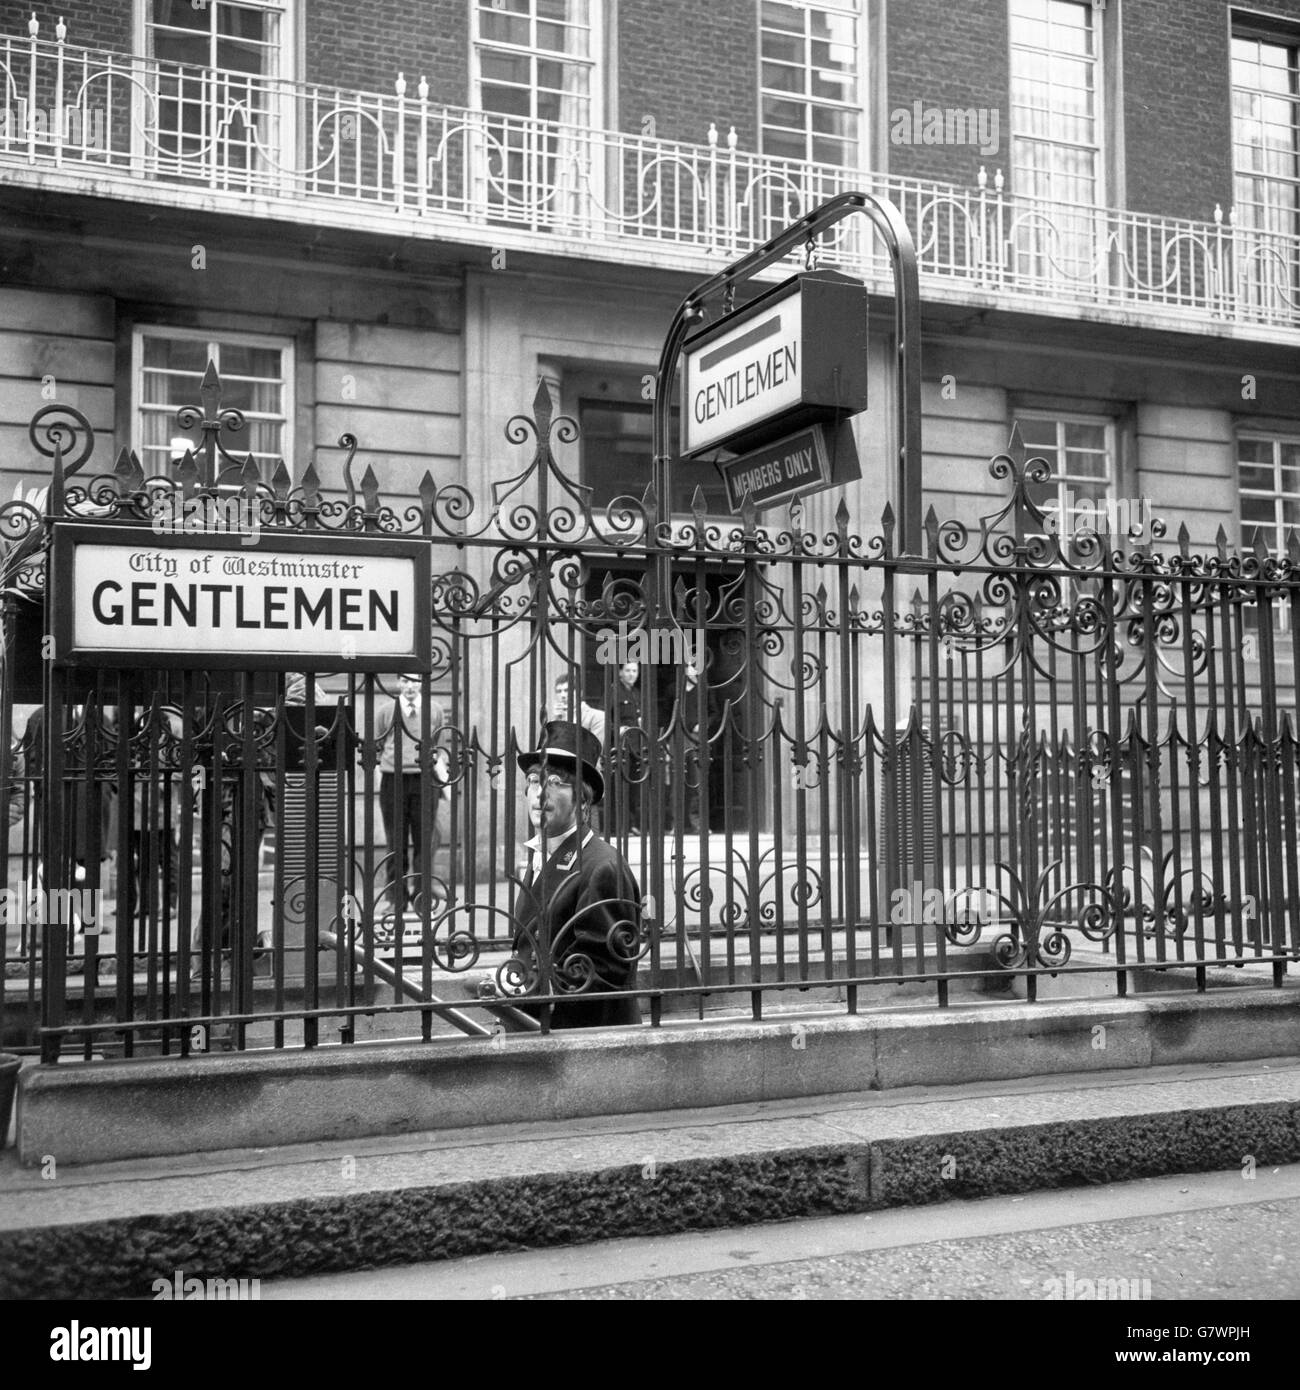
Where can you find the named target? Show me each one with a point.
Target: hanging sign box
(796, 356)
(809, 460)
(126, 596)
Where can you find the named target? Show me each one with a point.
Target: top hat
(571, 747)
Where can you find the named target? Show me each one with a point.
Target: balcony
(204, 139)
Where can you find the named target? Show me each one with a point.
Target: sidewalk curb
(318, 1235)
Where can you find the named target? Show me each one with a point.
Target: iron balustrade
(171, 132)
(1023, 756)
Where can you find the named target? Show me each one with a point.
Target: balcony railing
(149, 129)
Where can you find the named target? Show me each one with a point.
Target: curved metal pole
(907, 326)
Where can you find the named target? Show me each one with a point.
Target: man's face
(409, 688)
(553, 798)
(628, 672)
(562, 696)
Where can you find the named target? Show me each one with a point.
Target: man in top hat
(580, 902)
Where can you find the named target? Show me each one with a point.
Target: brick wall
(91, 23)
(365, 45)
(1178, 104)
(951, 57)
(347, 44)
(686, 64)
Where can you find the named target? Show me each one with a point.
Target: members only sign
(290, 603)
(796, 356)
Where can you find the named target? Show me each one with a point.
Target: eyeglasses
(554, 781)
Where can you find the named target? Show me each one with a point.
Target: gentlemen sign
(295, 603)
(796, 356)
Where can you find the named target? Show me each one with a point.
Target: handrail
(138, 123)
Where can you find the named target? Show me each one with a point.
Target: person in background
(567, 706)
(89, 801)
(624, 719)
(688, 707)
(399, 786)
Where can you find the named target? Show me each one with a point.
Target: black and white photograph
(647, 653)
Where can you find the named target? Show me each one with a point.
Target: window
(218, 110)
(1056, 134)
(1080, 450)
(1269, 478)
(535, 76)
(810, 81)
(1268, 473)
(1266, 165)
(255, 376)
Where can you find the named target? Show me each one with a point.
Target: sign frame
(68, 535)
(836, 458)
(832, 359)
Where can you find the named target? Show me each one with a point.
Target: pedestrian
(397, 728)
(567, 707)
(686, 716)
(580, 908)
(624, 752)
(89, 826)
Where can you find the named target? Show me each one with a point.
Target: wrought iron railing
(145, 127)
(1026, 755)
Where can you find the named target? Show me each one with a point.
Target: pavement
(112, 1229)
(1226, 1235)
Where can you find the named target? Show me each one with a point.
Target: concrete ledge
(99, 1112)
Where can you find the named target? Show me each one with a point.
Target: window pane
(779, 77)
(781, 17)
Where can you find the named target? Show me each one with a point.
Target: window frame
(284, 45)
(1061, 418)
(1257, 217)
(857, 10)
(594, 62)
(140, 332)
(148, 155)
(1278, 495)
(1098, 88)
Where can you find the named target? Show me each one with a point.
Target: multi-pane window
(1269, 478)
(1266, 163)
(215, 108)
(1080, 450)
(812, 100)
(535, 77)
(1056, 134)
(255, 377)
(536, 59)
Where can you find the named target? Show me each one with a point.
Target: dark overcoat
(588, 899)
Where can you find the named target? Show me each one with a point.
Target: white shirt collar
(554, 845)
